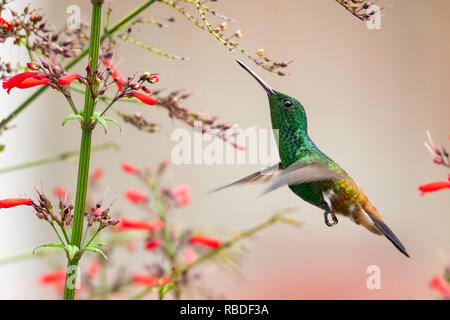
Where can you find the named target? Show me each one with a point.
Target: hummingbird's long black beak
(260, 81)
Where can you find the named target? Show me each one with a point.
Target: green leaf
(114, 121)
(71, 117)
(100, 120)
(47, 245)
(165, 289)
(96, 250)
(71, 251)
(99, 244)
(2, 147)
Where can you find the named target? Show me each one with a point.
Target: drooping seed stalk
(85, 150)
(59, 157)
(72, 63)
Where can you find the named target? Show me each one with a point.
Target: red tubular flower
(5, 23)
(67, 79)
(189, 255)
(433, 187)
(181, 194)
(32, 82)
(115, 72)
(94, 268)
(130, 246)
(135, 195)
(133, 224)
(128, 168)
(16, 80)
(120, 79)
(60, 192)
(152, 244)
(97, 174)
(206, 241)
(238, 147)
(145, 98)
(439, 283)
(164, 280)
(14, 202)
(158, 224)
(145, 279)
(154, 78)
(33, 65)
(52, 277)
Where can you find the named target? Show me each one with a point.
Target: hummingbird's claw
(333, 221)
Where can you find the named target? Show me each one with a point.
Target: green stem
(72, 105)
(92, 239)
(241, 236)
(57, 233)
(63, 229)
(211, 254)
(29, 255)
(72, 63)
(85, 151)
(59, 157)
(161, 211)
(127, 18)
(27, 46)
(21, 107)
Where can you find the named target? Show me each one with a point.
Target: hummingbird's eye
(287, 103)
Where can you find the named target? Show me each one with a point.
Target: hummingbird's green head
(287, 114)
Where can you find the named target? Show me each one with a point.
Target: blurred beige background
(369, 95)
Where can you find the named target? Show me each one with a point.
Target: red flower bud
(206, 241)
(52, 277)
(128, 168)
(130, 246)
(153, 78)
(94, 268)
(145, 98)
(437, 160)
(67, 79)
(97, 174)
(189, 255)
(60, 192)
(152, 244)
(115, 72)
(439, 283)
(238, 147)
(14, 202)
(133, 224)
(145, 279)
(6, 24)
(181, 195)
(33, 65)
(164, 280)
(135, 195)
(433, 186)
(158, 224)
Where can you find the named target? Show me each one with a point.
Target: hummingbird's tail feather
(379, 223)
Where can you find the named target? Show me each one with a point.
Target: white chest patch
(328, 197)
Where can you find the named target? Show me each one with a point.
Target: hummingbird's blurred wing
(261, 176)
(301, 172)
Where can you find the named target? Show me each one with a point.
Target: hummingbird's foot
(326, 216)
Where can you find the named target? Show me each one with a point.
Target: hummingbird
(310, 173)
